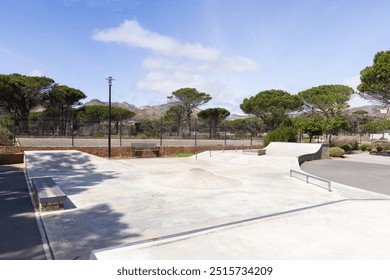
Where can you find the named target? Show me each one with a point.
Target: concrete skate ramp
(302, 151)
(199, 178)
(291, 149)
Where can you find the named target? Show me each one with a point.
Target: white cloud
(166, 82)
(130, 32)
(224, 64)
(238, 64)
(133, 34)
(174, 64)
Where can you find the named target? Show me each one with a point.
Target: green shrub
(346, 147)
(379, 149)
(142, 136)
(365, 147)
(6, 137)
(281, 134)
(98, 134)
(336, 152)
(183, 154)
(380, 143)
(340, 141)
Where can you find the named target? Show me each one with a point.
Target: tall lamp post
(109, 79)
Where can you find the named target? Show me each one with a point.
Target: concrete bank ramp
(199, 178)
(291, 149)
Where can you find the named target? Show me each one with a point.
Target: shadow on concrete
(75, 234)
(20, 238)
(59, 161)
(73, 171)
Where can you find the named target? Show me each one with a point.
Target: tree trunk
(189, 122)
(210, 130)
(23, 122)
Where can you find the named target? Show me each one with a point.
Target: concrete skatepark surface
(227, 206)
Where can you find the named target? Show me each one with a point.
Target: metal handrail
(329, 188)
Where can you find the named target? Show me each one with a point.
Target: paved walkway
(20, 238)
(364, 171)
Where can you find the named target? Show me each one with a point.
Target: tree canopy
(271, 106)
(175, 114)
(64, 96)
(189, 99)
(313, 124)
(20, 94)
(330, 101)
(375, 79)
(99, 113)
(213, 116)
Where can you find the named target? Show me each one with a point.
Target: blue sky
(231, 49)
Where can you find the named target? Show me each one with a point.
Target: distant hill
(144, 112)
(372, 110)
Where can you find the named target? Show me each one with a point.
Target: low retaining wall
(322, 153)
(11, 158)
(12, 155)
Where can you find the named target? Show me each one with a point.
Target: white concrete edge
(153, 242)
(172, 238)
(45, 241)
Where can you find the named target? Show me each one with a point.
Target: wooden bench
(48, 194)
(140, 147)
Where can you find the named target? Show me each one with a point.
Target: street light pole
(110, 79)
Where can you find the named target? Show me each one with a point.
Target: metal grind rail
(210, 152)
(311, 179)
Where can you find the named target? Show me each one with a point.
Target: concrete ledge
(48, 194)
(257, 152)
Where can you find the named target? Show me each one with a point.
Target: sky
(230, 49)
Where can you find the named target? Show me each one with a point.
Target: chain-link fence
(70, 131)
